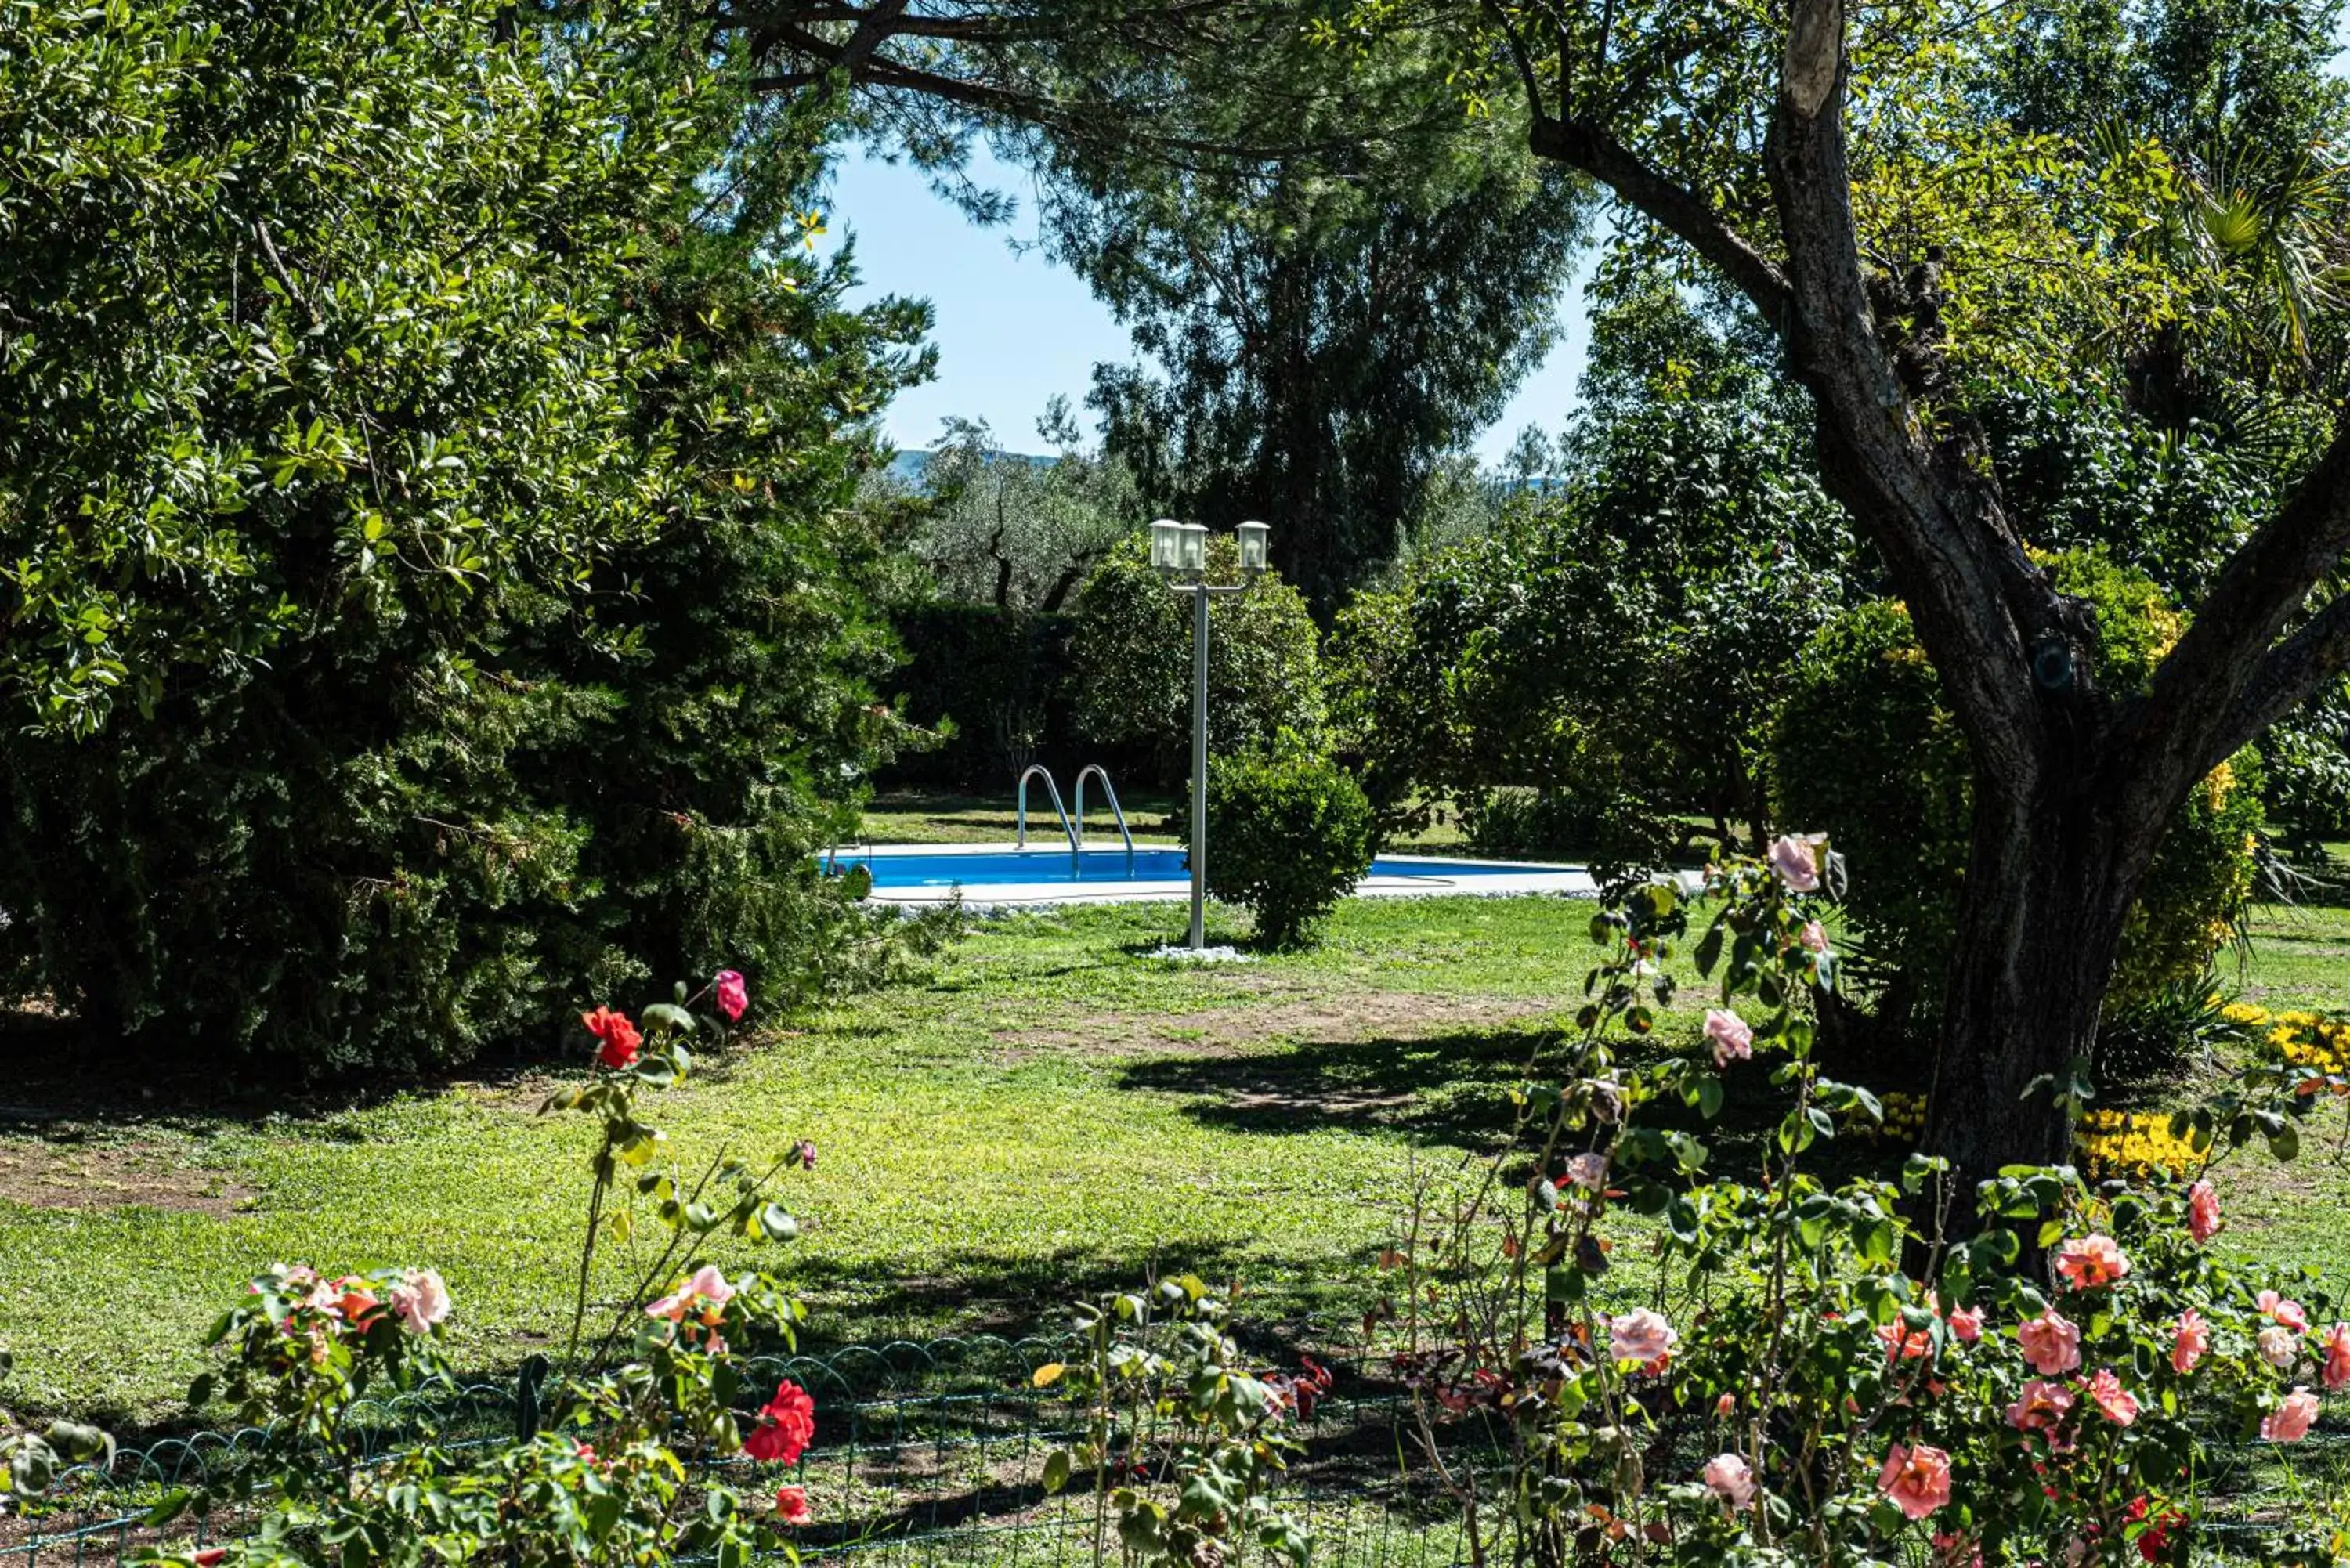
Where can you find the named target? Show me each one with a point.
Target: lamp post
(1180, 552)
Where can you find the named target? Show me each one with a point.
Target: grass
(1053, 1113)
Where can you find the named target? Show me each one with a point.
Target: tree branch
(1982, 608)
(284, 275)
(2287, 678)
(2209, 684)
(1579, 144)
(1518, 53)
(876, 24)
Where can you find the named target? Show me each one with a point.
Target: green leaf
(668, 1019)
(1708, 951)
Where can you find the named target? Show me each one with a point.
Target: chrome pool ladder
(1020, 815)
(1109, 792)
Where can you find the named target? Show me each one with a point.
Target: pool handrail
(1110, 790)
(1020, 814)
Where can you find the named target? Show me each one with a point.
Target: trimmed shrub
(1289, 835)
(1865, 750)
(1132, 653)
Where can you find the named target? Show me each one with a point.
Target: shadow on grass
(1453, 1089)
(1443, 1089)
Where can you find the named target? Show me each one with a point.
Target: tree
(1618, 641)
(1738, 145)
(1324, 351)
(1131, 662)
(430, 595)
(1015, 532)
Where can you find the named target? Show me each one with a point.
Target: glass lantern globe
(1167, 546)
(1194, 553)
(1256, 547)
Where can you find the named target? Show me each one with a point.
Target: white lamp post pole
(1180, 552)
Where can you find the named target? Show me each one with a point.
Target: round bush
(1865, 750)
(1288, 837)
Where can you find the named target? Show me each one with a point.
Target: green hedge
(497, 636)
(1131, 649)
(1002, 680)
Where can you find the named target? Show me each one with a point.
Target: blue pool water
(1104, 865)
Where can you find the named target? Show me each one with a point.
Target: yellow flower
(2217, 784)
(2124, 1144)
(2244, 1015)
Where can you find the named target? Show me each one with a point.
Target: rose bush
(1872, 1383)
(1180, 1443)
(638, 1406)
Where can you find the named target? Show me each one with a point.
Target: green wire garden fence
(925, 1454)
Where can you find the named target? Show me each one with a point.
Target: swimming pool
(1006, 874)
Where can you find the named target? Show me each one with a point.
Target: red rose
(791, 1505)
(785, 1426)
(619, 1036)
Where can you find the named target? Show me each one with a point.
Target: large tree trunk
(2050, 881)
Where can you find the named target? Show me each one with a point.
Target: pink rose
(2092, 1263)
(2119, 1404)
(1639, 1335)
(1903, 1344)
(2194, 1339)
(2283, 1310)
(1796, 861)
(706, 1285)
(421, 1299)
(1588, 1171)
(2203, 1220)
(1732, 1040)
(1957, 1551)
(1966, 1323)
(732, 996)
(2278, 1345)
(2335, 1346)
(1813, 936)
(2042, 1407)
(710, 1286)
(1731, 1480)
(1724, 1406)
(2050, 1342)
(2291, 1421)
(1917, 1480)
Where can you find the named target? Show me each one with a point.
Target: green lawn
(1055, 1112)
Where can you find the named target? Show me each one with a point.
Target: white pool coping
(1522, 877)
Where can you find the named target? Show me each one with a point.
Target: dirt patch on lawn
(1334, 1020)
(115, 1176)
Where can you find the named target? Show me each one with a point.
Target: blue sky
(1013, 329)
